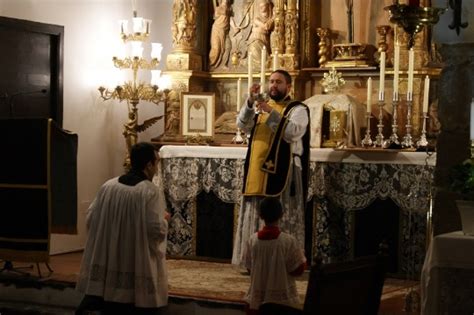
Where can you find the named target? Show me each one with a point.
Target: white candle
(250, 74)
(382, 76)
(262, 69)
(275, 60)
(411, 66)
(426, 94)
(369, 95)
(123, 26)
(137, 49)
(239, 92)
(156, 49)
(137, 24)
(155, 78)
(396, 70)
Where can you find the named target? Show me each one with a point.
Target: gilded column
(277, 38)
(291, 55)
(323, 51)
(183, 29)
(291, 29)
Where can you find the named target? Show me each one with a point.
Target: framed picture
(197, 114)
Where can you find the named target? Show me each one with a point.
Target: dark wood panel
(31, 63)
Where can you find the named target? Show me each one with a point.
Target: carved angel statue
(220, 41)
(262, 27)
(131, 129)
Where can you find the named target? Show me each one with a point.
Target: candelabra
(394, 135)
(367, 141)
(135, 91)
(407, 139)
(412, 18)
(379, 141)
(423, 142)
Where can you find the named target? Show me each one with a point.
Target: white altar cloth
(316, 155)
(343, 180)
(447, 285)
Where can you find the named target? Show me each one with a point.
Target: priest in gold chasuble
(277, 160)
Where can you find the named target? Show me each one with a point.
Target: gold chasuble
(262, 138)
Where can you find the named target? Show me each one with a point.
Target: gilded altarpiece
(214, 41)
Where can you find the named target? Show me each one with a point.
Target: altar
(446, 279)
(341, 183)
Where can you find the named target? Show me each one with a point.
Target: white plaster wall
(90, 36)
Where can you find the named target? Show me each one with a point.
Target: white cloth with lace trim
(124, 258)
(270, 263)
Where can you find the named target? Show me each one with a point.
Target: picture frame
(197, 114)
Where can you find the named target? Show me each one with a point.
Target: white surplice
(270, 263)
(124, 258)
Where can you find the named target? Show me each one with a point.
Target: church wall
(441, 32)
(91, 33)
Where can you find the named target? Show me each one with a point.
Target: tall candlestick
(411, 66)
(396, 70)
(426, 94)
(262, 69)
(275, 60)
(382, 76)
(250, 74)
(369, 95)
(239, 92)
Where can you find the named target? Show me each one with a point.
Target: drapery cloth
(351, 180)
(124, 258)
(270, 263)
(355, 121)
(446, 283)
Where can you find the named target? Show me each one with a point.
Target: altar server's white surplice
(124, 258)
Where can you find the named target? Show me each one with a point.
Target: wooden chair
(351, 287)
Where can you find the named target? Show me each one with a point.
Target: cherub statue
(131, 128)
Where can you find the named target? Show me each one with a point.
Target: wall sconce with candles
(135, 91)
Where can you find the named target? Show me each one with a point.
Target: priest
(277, 159)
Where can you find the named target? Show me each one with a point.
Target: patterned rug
(226, 282)
(192, 279)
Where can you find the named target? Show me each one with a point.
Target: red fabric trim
(269, 233)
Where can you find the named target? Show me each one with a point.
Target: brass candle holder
(413, 18)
